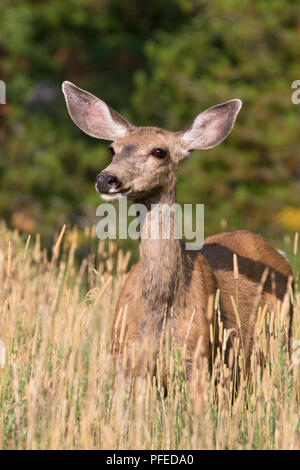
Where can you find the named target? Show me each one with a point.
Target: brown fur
(205, 271)
(170, 291)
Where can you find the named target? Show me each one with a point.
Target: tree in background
(159, 63)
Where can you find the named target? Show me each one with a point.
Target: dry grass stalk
(56, 385)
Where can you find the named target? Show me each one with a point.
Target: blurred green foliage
(158, 63)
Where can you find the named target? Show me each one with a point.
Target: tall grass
(56, 381)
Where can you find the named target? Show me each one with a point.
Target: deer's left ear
(211, 127)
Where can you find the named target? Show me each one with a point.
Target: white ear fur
(92, 115)
(212, 126)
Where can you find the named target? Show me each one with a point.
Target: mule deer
(170, 289)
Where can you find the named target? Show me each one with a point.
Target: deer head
(144, 159)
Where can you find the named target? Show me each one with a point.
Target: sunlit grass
(56, 381)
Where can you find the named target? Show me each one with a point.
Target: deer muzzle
(107, 183)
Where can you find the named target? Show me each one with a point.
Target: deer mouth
(116, 195)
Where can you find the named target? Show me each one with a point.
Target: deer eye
(111, 150)
(159, 153)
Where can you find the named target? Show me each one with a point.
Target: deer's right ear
(92, 115)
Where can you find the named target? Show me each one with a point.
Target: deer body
(185, 309)
(170, 291)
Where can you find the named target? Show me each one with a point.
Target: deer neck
(162, 260)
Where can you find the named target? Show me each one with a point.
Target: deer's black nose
(106, 183)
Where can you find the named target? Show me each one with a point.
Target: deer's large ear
(92, 115)
(211, 127)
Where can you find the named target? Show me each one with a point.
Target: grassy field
(56, 370)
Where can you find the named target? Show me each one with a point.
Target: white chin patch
(114, 196)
